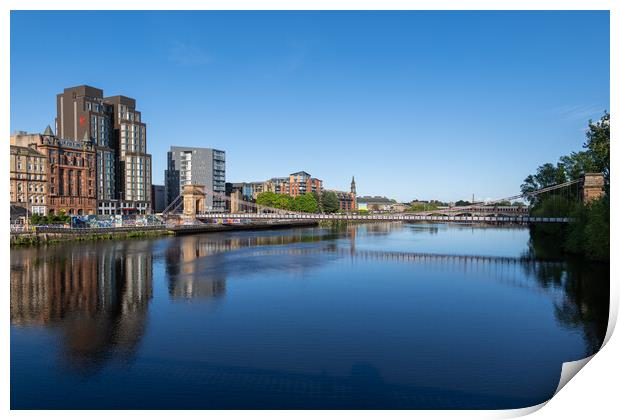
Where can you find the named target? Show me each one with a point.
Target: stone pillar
(235, 196)
(592, 185)
(193, 200)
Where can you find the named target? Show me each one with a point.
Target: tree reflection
(584, 303)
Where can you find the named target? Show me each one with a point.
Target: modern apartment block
(302, 182)
(297, 183)
(133, 162)
(119, 136)
(197, 165)
(70, 172)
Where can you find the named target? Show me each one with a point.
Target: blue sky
(414, 104)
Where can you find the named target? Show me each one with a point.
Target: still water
(370, 316)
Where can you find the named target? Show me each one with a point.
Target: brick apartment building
(70, 171)
(347, 201)
(300, 183)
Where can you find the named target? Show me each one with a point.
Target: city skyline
(413, 108)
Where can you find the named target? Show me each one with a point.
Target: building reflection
(197, 265)
(187, 277)
(96, 296)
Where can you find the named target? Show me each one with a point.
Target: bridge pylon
(194, 200)
(592, 186)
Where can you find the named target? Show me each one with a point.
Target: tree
(588, 232)
(462, 203)
(51, 219)
(415, 207)
(546, 175)
(319, 200)
(578, 163)
(330, 202)
(36, 219)
(305, 203)
(267, 199)
(597, 144)
(284, 202)
(271, 199)
(596, 231)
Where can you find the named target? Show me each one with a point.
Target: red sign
(82, 121)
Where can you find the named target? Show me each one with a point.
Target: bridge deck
(386, 217)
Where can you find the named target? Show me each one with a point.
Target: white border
(593, 395)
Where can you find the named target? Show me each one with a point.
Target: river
(412, 316)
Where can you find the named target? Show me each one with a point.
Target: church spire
(353, 189)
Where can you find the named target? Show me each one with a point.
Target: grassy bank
(51, 237)
(33, 239)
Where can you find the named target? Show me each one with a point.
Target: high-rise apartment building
(114, 126)
(82, 114)
(200, 166)
(133, 162)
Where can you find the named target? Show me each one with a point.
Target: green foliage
(596, 232)
(267, 199)
(284, 202)
(588, 233)
(577, 163)
(595, 158)
(278, 201)
(422, 207)
(546, 175)
(50, 219)
(305, 203)
(598, 145)
(462, 203)
(553, 205)
(437, 203)
(330, 202)
(319, 200)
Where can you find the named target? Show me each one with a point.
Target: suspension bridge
(190, 205)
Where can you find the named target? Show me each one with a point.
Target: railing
(386, 217)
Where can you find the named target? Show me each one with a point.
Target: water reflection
(97, 297)
(584, 302)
